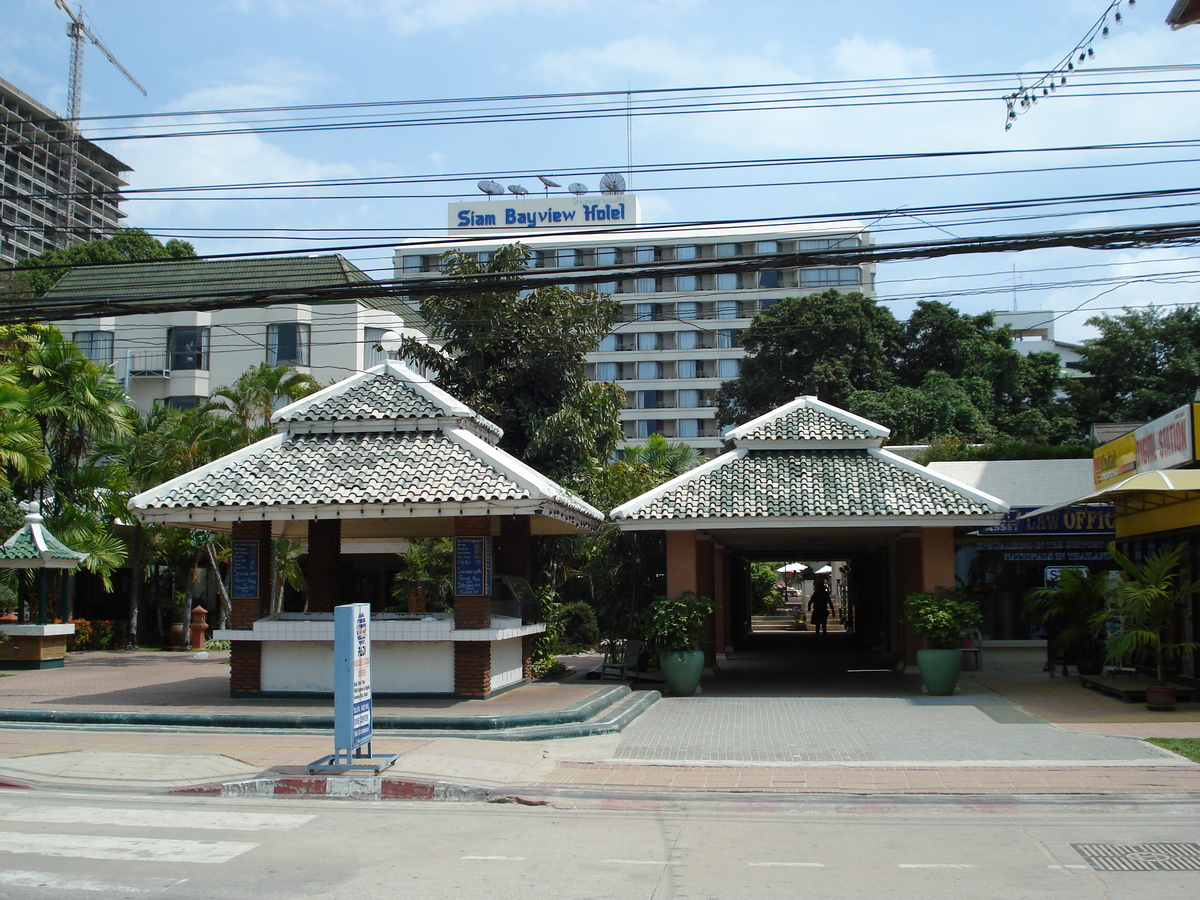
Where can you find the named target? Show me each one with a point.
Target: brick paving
(1012, 730)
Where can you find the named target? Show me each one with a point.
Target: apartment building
(36, 144)
(678, 335)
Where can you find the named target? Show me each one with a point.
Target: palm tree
(249, 402)
(1067, 611)
(21, 448)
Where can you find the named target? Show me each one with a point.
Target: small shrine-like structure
(363, 465)
(34, 641)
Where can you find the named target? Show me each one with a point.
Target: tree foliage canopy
(128, 245)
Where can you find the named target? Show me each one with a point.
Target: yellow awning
(1145, 490)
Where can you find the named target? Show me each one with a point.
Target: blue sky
(226, 54)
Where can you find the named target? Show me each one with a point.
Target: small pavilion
(363, 466)
(811, 481)
(35, 641)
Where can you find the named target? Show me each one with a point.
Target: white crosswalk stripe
(216, 820)
(50, 881)
(89, 846)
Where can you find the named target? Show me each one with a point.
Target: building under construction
(37, 211)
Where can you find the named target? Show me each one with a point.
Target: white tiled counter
(410, 653)
(34, 646)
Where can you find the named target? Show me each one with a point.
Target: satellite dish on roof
(612, 183)
(548, 183)
(518, 189)
(491, 188)
(577, 189)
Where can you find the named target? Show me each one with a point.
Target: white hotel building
(678, 335)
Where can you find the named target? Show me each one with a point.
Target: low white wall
(506, 663)
(401, 668)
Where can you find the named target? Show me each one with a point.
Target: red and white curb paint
(347, 787)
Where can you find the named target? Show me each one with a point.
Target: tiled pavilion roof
(380, 446)
(808, 463)
(33, 547)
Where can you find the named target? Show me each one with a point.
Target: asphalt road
(118, 846)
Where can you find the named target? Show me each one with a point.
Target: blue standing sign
(352, 720)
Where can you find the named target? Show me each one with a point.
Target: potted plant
(941, 618)
(1145, 602)
(799, 622)
(1067, 610)
(674, 625)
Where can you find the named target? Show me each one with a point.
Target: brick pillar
(245, 658)
(472, 659)
(527, 657)
(324, 564)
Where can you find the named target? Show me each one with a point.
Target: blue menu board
(245, 570)
(472, 567)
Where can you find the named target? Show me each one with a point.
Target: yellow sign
(1116, 459)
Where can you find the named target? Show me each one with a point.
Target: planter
(175, 636)
(939, 670)
(682, 669)
(1090, 666)
(1160, 697)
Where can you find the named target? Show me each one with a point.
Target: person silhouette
(819, 605)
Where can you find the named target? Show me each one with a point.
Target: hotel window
(687, 251)
(687, 310)
(687, 282)
(647, 369)
(767, 247)
(287, 344)
(417, 264)
(842, 275)
(769, 278)
(727, 337)
(686, 368)
(606, 256)
(95, 345)
(647, 399)
(764, 305)
(606, 371)
(689, 428)
(689, 399)
(725, 250)
(566, 257)
(728, 368)
(727, 309)
(687, 340)
(187, 347)
(184, 402)
(645, 285)
(648, 312)
(647, 427)
(608, 343)
(648, 340)
(373, 354)
(849, 240)
(727, 281)
(645, 254)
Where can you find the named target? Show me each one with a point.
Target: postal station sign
(544, 214)
(352, 713)
(1166, 443)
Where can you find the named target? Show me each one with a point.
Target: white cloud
(861, 58)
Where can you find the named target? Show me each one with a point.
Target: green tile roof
(805, 484)
(35, 547)
(253, 279)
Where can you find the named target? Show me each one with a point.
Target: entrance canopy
(808, 477)
(386, 453)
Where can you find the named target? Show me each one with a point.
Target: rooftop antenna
(548, 183)
(491, 188)
(577, 189)
(613, 183)
(77, 31)
(519, 189)
(629, 135)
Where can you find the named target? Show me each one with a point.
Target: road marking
(513, 858)
(152, 818)
(1068, 866)
(124, 848)
(57, 883)
(641, 862)
(806, 865)
(936, 866)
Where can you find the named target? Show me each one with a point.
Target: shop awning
(1145, 490)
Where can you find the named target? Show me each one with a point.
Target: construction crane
(77, 31)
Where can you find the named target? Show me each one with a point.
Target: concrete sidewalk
(1011, 730)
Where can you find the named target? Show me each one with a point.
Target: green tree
(39, 273)
(248, 403)
(1143, 364)
(828, 345)
(518, 359)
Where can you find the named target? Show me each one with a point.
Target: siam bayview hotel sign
(544, 214)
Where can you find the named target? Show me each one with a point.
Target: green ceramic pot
(682, 669)
(939, 670)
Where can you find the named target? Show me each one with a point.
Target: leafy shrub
(580, 631)
(216, 645)
(941, 618)
(99, 634)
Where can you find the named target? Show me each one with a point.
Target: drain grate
(1141, 857)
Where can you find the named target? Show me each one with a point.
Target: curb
(578, 714)
(342, 787)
